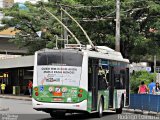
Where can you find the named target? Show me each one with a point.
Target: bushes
(139, 76)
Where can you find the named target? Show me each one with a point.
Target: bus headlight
(36, 89)
(80, 95)
(80, 90)
(36, 93)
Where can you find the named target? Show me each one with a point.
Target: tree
(136, 20)
(139, 25)
(29, 22)
(139, 76)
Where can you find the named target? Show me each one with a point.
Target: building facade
(6, 3)
(32, 1)
(16, 72)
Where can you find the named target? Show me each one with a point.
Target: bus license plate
(57, 99)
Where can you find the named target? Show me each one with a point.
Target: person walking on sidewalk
(151, 85)
(143, 88)
(0, 88)
(3, 86)
(30, 87)
(156, 89)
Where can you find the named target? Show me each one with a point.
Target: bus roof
(102, 52)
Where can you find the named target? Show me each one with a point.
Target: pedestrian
(151, 85)
(0, 88)
(3, 86)
(156, 89)
(142, 88)
(30, 87)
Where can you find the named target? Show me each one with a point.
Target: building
(6, 3)
(32, 1)
(7, 47)
(16, 72)
(15, 68)
(9, 3)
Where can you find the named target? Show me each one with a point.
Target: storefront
(16, 72)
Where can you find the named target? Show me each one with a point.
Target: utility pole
(154, 63)
(117, 42)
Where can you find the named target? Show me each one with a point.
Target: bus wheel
(100, 108)
(57, 114)
(119, 110)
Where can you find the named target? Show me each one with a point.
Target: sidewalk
(20, 97)
(10, 96)
(144, 112)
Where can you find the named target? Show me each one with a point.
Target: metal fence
(145, 102)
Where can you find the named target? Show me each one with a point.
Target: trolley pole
(117, 42)
(65, 31)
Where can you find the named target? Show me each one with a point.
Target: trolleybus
(80, 80)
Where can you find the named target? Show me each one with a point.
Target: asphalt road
(22, 110)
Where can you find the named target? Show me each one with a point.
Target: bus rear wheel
(57, 114)
(100, 108)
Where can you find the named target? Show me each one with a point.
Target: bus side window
(117, 81)
(102, 81)
(120, 80)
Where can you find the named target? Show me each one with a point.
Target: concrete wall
(25, 61)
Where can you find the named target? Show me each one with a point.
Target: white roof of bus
(103, 52)
(111, 56)
(106, 53)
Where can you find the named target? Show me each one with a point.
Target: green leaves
(97, 17)
(139, 76)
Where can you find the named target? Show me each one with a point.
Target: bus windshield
(59, 68)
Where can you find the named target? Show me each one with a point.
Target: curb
(4, 109)
(137, 111)
(17, 98)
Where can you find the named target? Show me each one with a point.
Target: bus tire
(57, 114)
(100, 108)
(119, 110)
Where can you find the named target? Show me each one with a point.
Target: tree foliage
(140, 24)
(138, 77)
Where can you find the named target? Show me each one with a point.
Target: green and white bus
(80, 80)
